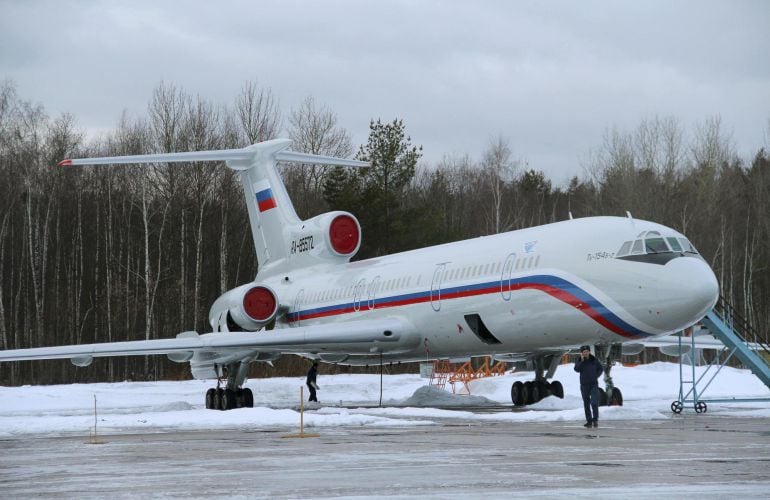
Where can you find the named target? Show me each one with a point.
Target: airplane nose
(697, 286)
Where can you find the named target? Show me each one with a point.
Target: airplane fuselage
(555, 285)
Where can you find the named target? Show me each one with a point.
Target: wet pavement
(704, 455)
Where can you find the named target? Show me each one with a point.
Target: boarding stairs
(740, 339)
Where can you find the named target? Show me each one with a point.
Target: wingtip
(64, 163)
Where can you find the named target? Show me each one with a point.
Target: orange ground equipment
(444, 371)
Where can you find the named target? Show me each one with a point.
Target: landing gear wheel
(248, 398)
(534, 392)
(528, 390)
(229, 400)
(602, 397)
(617, 397)
(677, 407)
(517, 394)
(220, 399)
(557, 389)
(700, 407)
(211, 399)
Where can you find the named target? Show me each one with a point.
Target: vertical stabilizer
(270, 208)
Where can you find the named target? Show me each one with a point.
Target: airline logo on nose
(265, 199)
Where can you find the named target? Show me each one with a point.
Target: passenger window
(624, 249)
(638, 247)
(675, 246)
(656, 245)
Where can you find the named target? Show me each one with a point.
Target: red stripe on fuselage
(554, 292)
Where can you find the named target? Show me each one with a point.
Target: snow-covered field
(350, 400)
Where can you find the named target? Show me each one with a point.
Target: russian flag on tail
(265, 198)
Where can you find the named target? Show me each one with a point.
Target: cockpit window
(655, 248)
(687, 245)
(674, 244)
(656, 245)
(624, 249)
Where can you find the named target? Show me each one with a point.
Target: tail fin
(277, 230)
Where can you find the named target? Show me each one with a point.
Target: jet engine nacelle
(330, 236)
(248, 307)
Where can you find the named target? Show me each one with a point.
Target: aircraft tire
(602, 397)
(219, 399)
(229, 400)
(533, 392)
(557, 389)
(248, 398)
(211, 403)
(517, 393)
(617, 397)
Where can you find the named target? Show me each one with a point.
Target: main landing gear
(527, 393)
(233, 395)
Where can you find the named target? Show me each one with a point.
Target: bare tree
(499, 170)
(258, 112)
(314, 130)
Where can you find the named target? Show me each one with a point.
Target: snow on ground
(351, 400)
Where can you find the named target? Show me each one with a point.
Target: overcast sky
(550, 77)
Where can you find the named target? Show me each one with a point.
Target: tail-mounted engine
(246, 308)
(334, 236)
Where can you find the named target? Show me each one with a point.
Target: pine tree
(383, 185)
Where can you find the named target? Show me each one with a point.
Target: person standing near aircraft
(590, 370)
(311, 381)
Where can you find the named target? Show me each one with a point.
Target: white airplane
(528, 295)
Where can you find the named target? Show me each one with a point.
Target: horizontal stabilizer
(230, 155)
(218, 155)
(292, 157)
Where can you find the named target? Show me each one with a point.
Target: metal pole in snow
(301, 410)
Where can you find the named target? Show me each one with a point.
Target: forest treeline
(104, 254)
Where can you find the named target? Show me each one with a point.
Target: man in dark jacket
(590, 370)
(311, 383)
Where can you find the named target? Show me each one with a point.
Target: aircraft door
(372, 293)
(505, 276)
(435, 287)
(359, 294)
(298, 306)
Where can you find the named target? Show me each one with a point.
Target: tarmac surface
(704, 455)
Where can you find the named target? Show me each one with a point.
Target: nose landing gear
(608, 354)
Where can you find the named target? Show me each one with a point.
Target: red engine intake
(260, 304)
(344, 234)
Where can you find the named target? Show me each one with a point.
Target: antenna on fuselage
(570, 215)
(631, 218)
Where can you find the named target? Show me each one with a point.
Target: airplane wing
(703, 341)
(364, 336)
